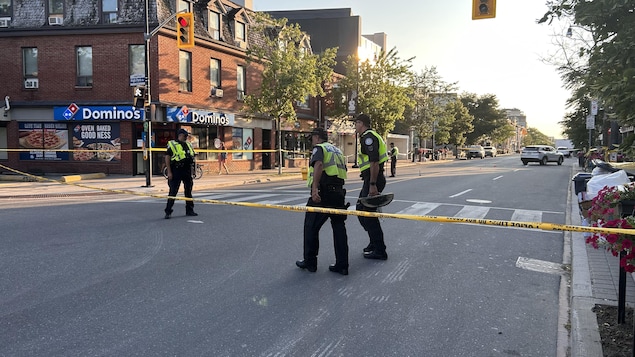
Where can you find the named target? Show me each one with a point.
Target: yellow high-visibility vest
(178, 153)
(363, 159)
(333, 164)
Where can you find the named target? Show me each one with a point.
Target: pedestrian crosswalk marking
(523, 215)
(475, 212)
(421, 208)
(288, 199)
(252, 198)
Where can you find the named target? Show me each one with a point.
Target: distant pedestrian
(327, 172)
(394, 152)
(371, 158)
(179, 160)
(222, 158)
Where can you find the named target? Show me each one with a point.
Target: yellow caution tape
(438, 219)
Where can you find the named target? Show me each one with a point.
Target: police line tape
(438, 219)
(155, 149)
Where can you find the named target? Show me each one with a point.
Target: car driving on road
(475, 151)
(490, 151)
(541, 154)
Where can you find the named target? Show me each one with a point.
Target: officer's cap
(182, 131)
(321, 133)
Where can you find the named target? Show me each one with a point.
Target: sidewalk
(594, 280)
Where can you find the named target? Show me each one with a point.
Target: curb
(75, 178)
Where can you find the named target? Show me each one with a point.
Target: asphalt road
(108, 276)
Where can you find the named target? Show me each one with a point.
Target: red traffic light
(183, 21)
(483, 9)
(185, 30)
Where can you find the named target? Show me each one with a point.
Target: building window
(29, 62)
(185, 71)
(305, 103)
(214, 25)
(5, 8)
(214, 72)
(240, 82)
(183, 5)
(56, 7)
(242, 139)
(84, 66)
(109, 11)
(240, 31)
(206, 136)
(137, 60)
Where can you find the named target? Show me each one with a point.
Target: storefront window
(42, 140)
(243, 139)
(296, 144)
(204, 137)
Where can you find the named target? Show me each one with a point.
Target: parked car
(541, 154)
(475, 151)
(564, 150)
(490, 151)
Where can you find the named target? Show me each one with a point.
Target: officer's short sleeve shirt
(370, 146)
(317, 154)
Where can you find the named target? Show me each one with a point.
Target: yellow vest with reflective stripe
(396, 152)
(178, 153)
(333, 164)
(364, 161)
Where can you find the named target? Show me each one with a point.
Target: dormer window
(56, 7)
(5, 8)
(183, 5)
(109, 11)
(214, 25)
(240, 31)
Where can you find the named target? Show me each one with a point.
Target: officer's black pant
(183, 174)
(371, 224)
(393, 166)
(332, 197)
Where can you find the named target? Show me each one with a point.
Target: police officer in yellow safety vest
(371, 158)
(394, 152)
(327, 172)
(179, 160)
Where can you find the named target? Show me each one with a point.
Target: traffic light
(185, 30)
(483, 9)
(139, 94)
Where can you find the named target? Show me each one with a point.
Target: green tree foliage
(535, 137)
(462, 124)
(382, 87)
(291, 70)
(488, 118)
(607, 69)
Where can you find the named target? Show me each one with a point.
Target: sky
(501, 56)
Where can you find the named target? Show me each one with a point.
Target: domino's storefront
(73, 139)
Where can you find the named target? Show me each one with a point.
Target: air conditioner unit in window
(4, 21)
(242, 44)
(56, 20)
(217, 92)
(31, 83)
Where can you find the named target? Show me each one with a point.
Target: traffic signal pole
(147, 127)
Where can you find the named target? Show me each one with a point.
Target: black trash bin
(580, 180)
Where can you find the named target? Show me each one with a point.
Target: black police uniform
(370, 147)
(332, 195)
(181, 172)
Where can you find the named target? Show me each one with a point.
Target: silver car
(541, 154)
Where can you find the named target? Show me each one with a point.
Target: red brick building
(69, 72)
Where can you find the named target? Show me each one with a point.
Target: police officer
(371, 158)
(327, 172)
(179, 160)
(394, 152)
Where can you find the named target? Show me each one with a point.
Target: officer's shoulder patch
(315, 149)
(368, 141)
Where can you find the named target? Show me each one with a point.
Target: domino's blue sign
(99, 113)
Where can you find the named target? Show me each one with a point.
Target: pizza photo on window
(39, 139)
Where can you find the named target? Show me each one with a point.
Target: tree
(461, 125)
(535, 137)
(291, 72)
(487, 116)
(379, 87)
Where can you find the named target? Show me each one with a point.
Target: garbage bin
(580, 180)
(305, 173)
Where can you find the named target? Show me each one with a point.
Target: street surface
(106, 275)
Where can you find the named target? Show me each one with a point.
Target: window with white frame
(185, 71)
(109, 11)
(56, 7)
(240, 31)
(5, 8)
(137, 61)
(214, 73)
(183, 5)
(240, 82)
(305, 103)
(84, 66)
(29, 62)
(214, 25)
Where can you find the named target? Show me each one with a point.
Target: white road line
(475, 212)
(496, 178)
(523, 215)
(539, 265)
(288, 199)
(252, 198)
(461, 193)
(421, 208)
